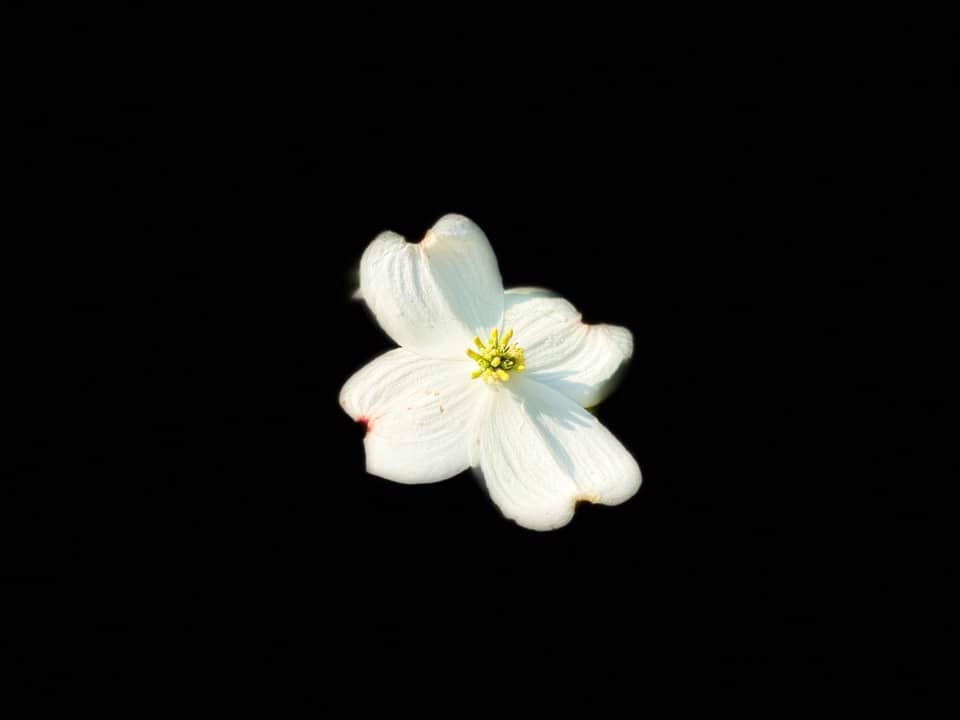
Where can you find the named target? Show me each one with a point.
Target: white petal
(433, 297)
(581, 361)
(420, 414)
(540, 453)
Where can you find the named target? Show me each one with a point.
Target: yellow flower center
(496, 358)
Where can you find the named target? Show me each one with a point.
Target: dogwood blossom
(493, 380)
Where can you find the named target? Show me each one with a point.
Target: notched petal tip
(588, 498)
(366, 423)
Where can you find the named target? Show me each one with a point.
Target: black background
(190, 501)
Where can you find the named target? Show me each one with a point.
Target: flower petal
(540, 453)
(433, 297)
(419, 414)
(581, 361)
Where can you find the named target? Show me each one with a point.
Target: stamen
(496, 358)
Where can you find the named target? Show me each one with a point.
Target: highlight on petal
(431, 296)
(540, 453)
(581, 361)
(420, 415)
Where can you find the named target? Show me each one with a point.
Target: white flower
(445, 400)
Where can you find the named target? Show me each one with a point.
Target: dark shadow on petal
(578, 392)
(547, 402)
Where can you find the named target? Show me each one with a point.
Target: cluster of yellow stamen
(497, 358)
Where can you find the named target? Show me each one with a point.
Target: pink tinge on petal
(366, 423)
